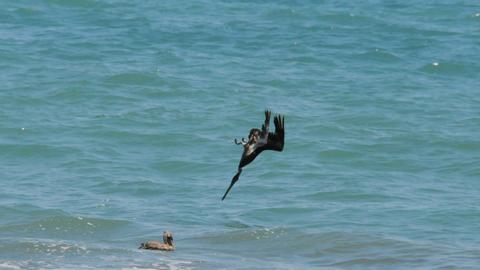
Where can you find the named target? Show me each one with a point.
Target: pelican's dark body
(258, 141)
(167, 244)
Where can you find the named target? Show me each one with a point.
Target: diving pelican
(259, 140)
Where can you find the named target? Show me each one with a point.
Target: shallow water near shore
(117, 121)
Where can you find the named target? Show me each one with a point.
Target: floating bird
(259, 140)
(167, 244)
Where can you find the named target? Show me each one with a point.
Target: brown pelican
(259, 140)
(167, 244)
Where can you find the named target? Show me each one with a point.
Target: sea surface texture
(117, 121)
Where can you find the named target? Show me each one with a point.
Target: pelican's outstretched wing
(275, 140)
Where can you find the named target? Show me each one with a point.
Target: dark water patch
(36, 151)
(474, 171)
(282, 211)
(357, 251)
(337, 154)
(379, 261)
(131, 123)
(28, 220)
(380, 148)
(434, 191)
(182, 167)
(74, 3)
(11, 135)
(349, 196)
(65, 227)
(138, 188)
(32, 16)
(28, 101)
(17, 213)
(86, 57)
(134, 78)
(168, 57)
(348, 19)
(76, 91)
(413, 31)
(324, 129)
(284, 14)
(7, 59)
(306, 59)
(243, 235)
(394, 165)
(237, 224)
(28, 11)
(365, 120)
(324, 249)
(457, 219)
(291, 215)
(166, 89)
(452, 167)
(137, 137)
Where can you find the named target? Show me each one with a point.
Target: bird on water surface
(259, 140)
(167, 244)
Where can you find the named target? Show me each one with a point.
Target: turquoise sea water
(117, 121)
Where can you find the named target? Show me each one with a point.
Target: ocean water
(117, 121)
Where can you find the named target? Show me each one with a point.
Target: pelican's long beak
(234, 180)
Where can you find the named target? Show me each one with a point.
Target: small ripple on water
(55, 223)
(450, 68)
(36, 150)
(349, 196)
(337, 154)
(379, 56)
(133, 79)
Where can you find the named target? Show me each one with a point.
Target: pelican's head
(168, 238)
(254, 135)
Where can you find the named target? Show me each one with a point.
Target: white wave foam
(10, 265)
